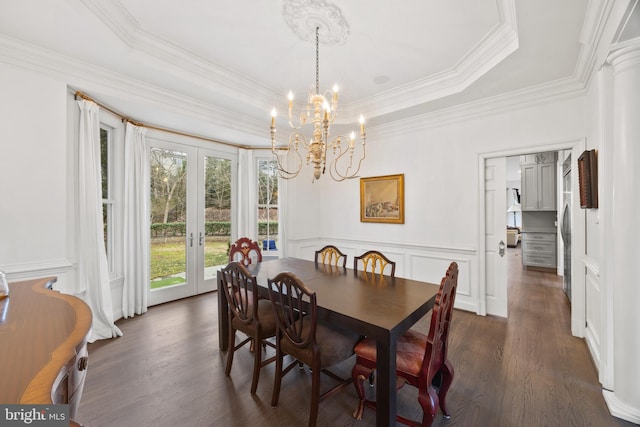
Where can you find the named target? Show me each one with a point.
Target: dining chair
(248, 314)
(421, 360)
(374, 262)
(246, 251)
(331, 255)
(300, 335)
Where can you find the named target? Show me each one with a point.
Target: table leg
(386, 382)
(223, 316)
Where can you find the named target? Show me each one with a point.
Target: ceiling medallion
(304, 16)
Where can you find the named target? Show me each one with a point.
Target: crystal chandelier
(320, 111)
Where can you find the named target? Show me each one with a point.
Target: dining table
(374, 305)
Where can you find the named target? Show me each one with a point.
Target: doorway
(493, 274)
(191, 207)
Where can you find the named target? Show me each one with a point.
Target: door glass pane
(168, 202)
(217, 214)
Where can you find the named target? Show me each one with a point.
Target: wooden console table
(43, 345)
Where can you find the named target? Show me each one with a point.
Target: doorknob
(501, 247)
(201, 239)
(191, 240)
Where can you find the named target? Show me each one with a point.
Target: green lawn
(168, 259)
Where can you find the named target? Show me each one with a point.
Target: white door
(191, 211)
(216, 174)
(495, 197)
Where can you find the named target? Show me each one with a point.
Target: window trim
(115, 127)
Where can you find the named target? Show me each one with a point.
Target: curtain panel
(93, 270)
(136, 222)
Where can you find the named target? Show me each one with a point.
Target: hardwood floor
(525, 371)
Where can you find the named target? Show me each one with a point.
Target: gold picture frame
(382, 199)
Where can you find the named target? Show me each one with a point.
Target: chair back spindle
(296, 306)
(374, 262)
(245, 251)
(331, 255)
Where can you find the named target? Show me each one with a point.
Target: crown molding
(565, 88)
(597, 15)
(96, 80)
(604, 23)
(87, 77)
(162, 54)
(498, 44)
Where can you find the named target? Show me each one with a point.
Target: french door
(191, 206)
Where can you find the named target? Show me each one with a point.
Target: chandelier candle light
(321, 114)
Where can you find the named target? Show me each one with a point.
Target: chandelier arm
(283, 173)
(333, 167)
(291, 148)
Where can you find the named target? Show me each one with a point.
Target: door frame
(196, 149)
(578, 296)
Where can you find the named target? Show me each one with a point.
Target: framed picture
(382, 199)
(588, 179)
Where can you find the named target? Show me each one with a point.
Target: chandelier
(320, 112)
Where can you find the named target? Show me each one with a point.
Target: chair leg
(315, 394)
(257, 362)
(231, 351)
(447, 379)
(428, 400)
(278, 377)
(358, 374)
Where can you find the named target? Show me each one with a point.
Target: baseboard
(620, 409)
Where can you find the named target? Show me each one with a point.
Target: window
(106, 169)
(268, 205)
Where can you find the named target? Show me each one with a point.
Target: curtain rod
(124, 118)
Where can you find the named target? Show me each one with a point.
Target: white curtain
(136, 222)
(93, 271)
(246, 219)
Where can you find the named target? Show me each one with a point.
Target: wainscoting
(417, 262)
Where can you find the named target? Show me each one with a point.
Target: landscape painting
(382, 199)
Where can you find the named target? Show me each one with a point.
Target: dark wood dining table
(378, 306)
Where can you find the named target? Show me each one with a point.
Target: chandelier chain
(317, 61)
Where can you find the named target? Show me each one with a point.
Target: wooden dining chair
(300, 335)
(246, 251)
(374, 262)
(421, 360)
(248, 314)
(331, 255)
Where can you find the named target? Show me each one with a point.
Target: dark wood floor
(525, 371)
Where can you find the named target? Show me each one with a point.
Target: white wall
(439, 157)
(33, 175)
(588, 262)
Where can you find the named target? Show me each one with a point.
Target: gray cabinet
(538, 181)
(539, 249)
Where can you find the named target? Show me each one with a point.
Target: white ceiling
(216, 68)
